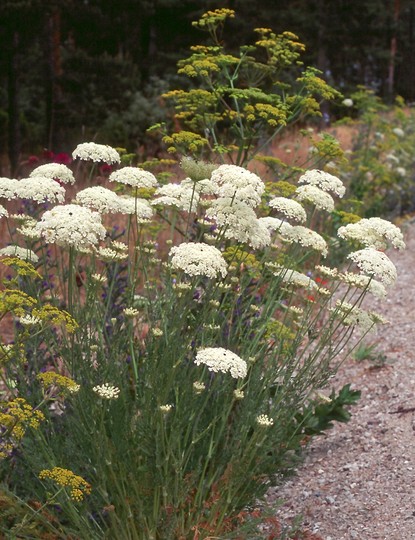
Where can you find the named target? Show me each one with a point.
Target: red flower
(63, 158)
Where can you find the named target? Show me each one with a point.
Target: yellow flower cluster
(23, 268)
(15, 301)
(16, 416)
(56, 316)
(214, 18)
(282, 49)
(50, 378)
(78, 487)
(185, 140)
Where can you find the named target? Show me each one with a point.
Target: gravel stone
(357, 482)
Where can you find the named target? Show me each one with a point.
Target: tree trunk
(14, 134)
(393, 49)
(53, 87)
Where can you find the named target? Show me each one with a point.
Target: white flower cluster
(238, 183)
(55, 171)
(289, 208)
(373, 232)
(25, 254)
(29, 320)
(3, 212)
(96, 152)
(361, 281)
(274, 224)
(305, 237)
(264, 420)
(111, 255)
(71, 225)
(203, 187)
(135, 206)
(107, 391)
(165, 409)
(351, 315)
(197, 259)
(99, 198)
(292, 277)
(135, 177)
(239, 222)
(375, 263)
(8, 188)
(40, 189)
(316, 196)
(327, 270)
(219, 359)
(324, 181)
(182, 197)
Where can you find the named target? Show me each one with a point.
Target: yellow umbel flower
(78, 487)
(56, 317)
(23, 268)
(16, 416)
(15, 301)
(50, 378)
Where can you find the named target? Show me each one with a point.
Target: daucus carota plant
(158, 383)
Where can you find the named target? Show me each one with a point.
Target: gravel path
(358, 482)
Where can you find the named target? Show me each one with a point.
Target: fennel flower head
(40, 189)
(375, 263)
(218, 359)
(197, 259)
(134, 177)
(238, 183)
(55, 171)
(324, 181)
(96, 153)
(71, 225)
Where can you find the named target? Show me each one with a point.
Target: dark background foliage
(77, 70)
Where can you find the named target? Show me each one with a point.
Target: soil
(357, 482)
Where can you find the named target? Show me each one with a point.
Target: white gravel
(358, 482)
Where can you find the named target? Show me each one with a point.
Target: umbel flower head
(324, 181)
(238, 183)
(97, 153)
(107, 391)
(219, 359)
(197, 259)
(99, 198)
(55, 171)
(8, 187)
(289, 208)
(135, 177)
(375, 263)
(71, 225)
(77, 486)
(182, 197)
(239, 222)
(305, 237)
(316, 196)
(25, 254)
(40, 189)
(373, 232)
